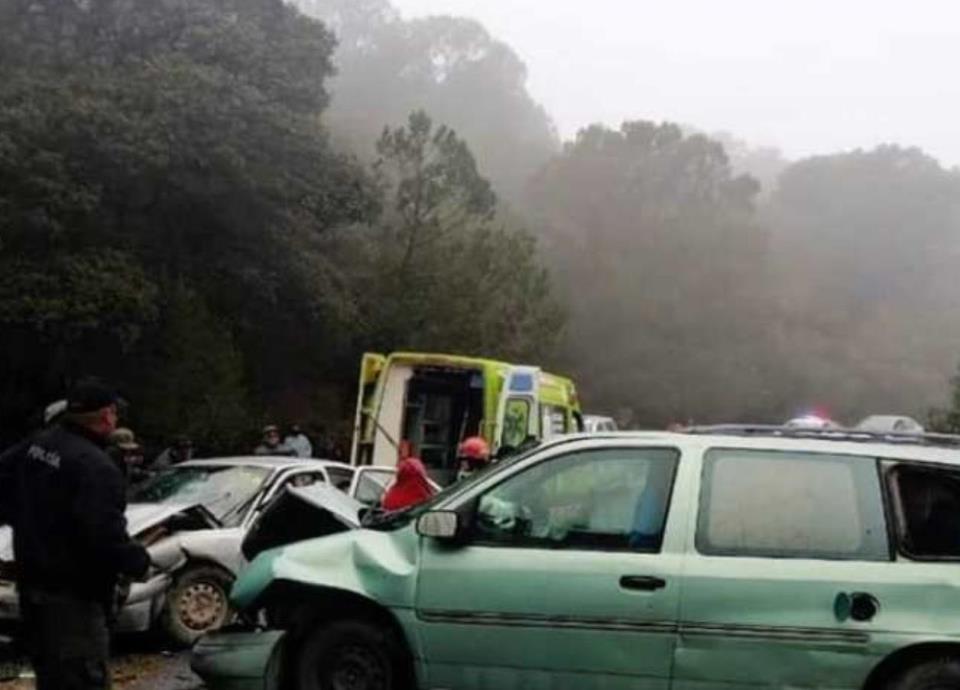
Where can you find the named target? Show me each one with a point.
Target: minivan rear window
(929, 511)
(791, 505)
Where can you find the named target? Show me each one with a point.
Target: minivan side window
(610, 499)
(929, 512)
(757, 503)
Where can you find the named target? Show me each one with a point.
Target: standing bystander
(271, 445)
(298, 442)
(127, 455)
(180, 451)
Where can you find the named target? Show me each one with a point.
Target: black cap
(90, 395)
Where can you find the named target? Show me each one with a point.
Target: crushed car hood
(140, 517)
(340, 505)
(302, 513)
(143, 516)
(376, 565)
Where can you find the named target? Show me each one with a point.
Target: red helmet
(475, 448)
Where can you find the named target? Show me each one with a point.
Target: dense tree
(442, 272)
(181, 209)
(663, 265)
(878, 225)
(191, 379)
(449, 66)
(865, 246)
(947, 420)
(83, 311)
(763, 163)
(165, 146)
(174, 216)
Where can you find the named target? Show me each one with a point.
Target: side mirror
(439, 524)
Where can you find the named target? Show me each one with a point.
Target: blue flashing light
(521, 383)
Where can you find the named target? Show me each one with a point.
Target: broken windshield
(226, 491)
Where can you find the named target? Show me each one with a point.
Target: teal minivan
(730, 557)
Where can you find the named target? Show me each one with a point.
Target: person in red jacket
(410, 487)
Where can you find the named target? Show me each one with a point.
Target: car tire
(936, 674)
(197, 603)
(349, 654)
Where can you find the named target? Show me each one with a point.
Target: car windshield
(226, 491)
(389, 521)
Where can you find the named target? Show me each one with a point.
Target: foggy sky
(808, 77)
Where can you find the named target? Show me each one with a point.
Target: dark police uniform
(65, 500)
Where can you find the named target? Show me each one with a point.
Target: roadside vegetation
(221, 204)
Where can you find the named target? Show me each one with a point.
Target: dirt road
(140, 671)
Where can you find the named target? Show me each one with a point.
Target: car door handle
(643, 583)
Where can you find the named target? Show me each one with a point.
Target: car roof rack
(835, 434)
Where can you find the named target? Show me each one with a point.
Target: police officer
(65, 500)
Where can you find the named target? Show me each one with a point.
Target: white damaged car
(205, 508)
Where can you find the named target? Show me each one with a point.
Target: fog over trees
(450, 67)
(222, 203)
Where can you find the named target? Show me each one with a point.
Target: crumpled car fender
(155, 586)
(220, 547)
(379, 566)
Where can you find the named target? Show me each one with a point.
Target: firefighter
(473, 454)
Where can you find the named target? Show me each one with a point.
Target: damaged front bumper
(240, 660)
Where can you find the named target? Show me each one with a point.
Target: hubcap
(357, 667)
(201, 606)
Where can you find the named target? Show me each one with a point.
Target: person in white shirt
(298, 441)
(271, 445)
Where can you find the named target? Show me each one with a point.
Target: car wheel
(348, 655)
(938, 674)
(198, 603)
